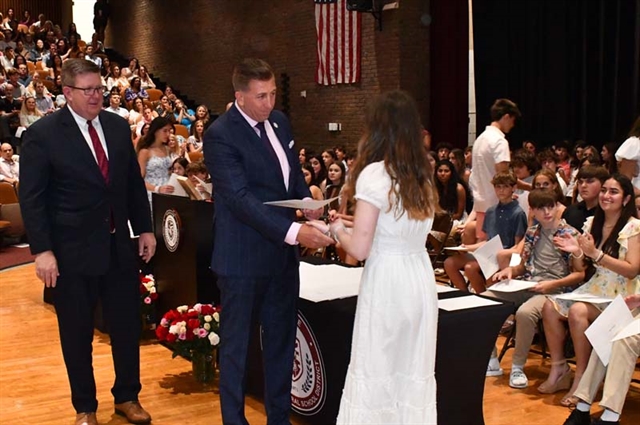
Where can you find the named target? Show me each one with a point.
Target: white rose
(197, 307)
(152, 290)
(207, 326)
(216, 316)
(182, 309)
(214, 339)
(208, 318)
(173, 329)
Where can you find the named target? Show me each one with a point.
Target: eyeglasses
(88, 91)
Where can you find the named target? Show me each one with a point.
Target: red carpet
(11, 256)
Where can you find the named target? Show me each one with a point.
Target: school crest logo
(309, 385)
(171, 226)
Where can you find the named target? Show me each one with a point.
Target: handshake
(326, 232)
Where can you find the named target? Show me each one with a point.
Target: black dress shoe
(601, 422)
(578, 418)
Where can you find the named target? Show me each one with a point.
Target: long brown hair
(611, 245)
(393, 134)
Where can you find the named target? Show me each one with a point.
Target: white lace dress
(391, 374)
(157, 172)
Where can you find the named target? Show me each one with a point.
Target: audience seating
(31, 67)
(154, 94)
(195, 156)
(50, 85)
(39, 65)
(181, 130)
(43, 74)
(8, 194)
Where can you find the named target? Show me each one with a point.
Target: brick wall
(193, 45)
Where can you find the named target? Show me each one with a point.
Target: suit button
(106, 220)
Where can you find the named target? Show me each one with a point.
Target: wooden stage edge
(34, 388)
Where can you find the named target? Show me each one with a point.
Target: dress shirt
(292, 234)
(84, 129)
(9, 169)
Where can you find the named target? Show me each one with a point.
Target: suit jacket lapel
(283, 138)
(76, 141)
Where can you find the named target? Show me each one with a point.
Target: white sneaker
(493, 368)
(517, 379)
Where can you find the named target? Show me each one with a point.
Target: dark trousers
(75, 299)
(273, 303)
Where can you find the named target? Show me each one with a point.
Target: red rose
(162, 332)
(153, 296)
(143, 290)
(144, 279)
(171, 338)
(193, 324)
(192, 314)
(189, 335)
(207, 309)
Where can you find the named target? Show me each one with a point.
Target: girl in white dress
(391, 374)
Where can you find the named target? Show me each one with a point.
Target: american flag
(339, 39)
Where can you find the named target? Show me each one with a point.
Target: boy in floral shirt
(544, 263)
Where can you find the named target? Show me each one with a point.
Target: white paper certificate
(328, 281)
(486, 256)
(462, 303)
(512, 285)
(307, 204)
(585, 298)
(605, 328)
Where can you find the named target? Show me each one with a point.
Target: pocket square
(291, 143)
(275, 124)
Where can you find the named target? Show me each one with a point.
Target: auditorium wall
(194, 44)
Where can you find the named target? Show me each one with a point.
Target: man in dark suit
(81, 184)
(248, 151)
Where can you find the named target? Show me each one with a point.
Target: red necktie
(103, 162)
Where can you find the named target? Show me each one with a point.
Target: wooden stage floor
(34, 387)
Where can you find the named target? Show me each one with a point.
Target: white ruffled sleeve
(373, 185)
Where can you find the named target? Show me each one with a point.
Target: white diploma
(208, 187)
(462, 303)
(631, 329)
(445, 288)
(486, 256)
(516, 259)
(328, 282)
(457, 248)
(307, 204)
(605, 328)
(512, 285)
(178, 190)
(584, 298)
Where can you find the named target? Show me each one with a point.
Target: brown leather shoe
(134, 413)
(88, 418)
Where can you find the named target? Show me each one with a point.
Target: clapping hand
(567, 243)
(588, 245)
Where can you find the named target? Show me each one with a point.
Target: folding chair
(437, 238)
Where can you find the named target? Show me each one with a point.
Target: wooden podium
(181, 266)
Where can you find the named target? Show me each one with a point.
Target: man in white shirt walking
(490, 156)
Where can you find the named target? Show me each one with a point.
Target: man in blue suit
(248, 152)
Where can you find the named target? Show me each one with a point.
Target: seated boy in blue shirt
(506, 219)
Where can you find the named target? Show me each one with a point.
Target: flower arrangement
(148, 295)
(191, 329)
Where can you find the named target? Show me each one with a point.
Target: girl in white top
(194, 142)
